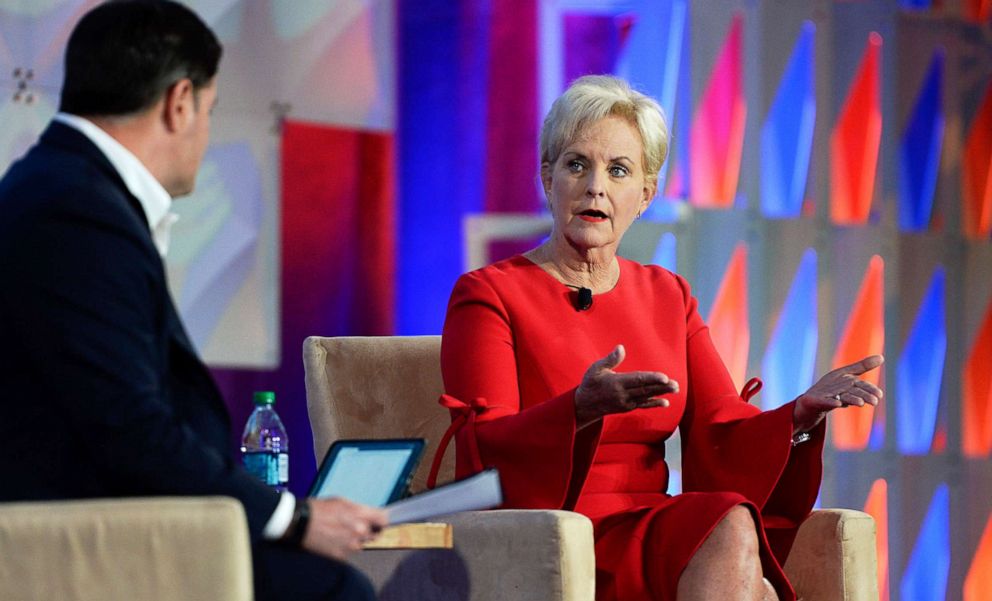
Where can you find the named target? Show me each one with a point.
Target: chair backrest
(377, 387)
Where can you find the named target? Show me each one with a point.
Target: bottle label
(271, 468)
(283, 462)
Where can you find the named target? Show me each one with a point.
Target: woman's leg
(726, 565)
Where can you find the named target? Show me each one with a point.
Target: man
(104, 394)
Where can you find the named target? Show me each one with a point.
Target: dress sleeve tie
(751, 388)
(464, 416)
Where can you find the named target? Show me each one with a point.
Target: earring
(638, 216)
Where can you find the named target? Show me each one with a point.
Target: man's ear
(178, 106)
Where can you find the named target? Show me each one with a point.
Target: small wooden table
(420, 535)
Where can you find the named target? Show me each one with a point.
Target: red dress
(513, 351)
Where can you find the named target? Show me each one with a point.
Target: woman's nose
(595, 184)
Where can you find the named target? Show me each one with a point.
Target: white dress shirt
(156, 202)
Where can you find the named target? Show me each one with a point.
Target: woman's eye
(575, 166)
(618, 171)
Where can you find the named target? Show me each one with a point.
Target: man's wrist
(298, 525)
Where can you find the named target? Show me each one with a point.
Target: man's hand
(339, 527)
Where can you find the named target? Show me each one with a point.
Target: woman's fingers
(614, 359)
(859, 367)
(650, 383)
(858, 396)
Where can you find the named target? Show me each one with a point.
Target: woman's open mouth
(593, 216)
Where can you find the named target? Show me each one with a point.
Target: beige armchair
(153, 549)
(387, 387)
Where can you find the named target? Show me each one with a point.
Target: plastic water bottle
(264, 445)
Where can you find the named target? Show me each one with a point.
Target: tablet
(371, 472)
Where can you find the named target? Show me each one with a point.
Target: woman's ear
(650, 190)
(546, 180)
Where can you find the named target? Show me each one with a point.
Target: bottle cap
(265, 397)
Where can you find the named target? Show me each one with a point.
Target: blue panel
(916, 4)
(925, 578)
(919, 373)
(789, 361)
(919, 150)
(656, 61)
(787, 134)
(664, 253)
(441, 104)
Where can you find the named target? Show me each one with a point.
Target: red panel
(717, 135)
(855, 140)
(338, 232)
(863, 335)
(976, 173)
(976, 383)
(728, 318)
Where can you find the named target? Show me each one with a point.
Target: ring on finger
(836, 397)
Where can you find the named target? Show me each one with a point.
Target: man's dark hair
(124, 54)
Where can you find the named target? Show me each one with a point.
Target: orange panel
(877, 506)
(855, 140)
(976, 173)
(863, 335)
(728, 318)
(978, 582)
(976, 383)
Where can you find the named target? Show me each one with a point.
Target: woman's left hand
(838, 388)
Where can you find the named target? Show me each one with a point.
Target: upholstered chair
(388, 387)
(153, 549)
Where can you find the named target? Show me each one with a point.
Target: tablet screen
(369, 472)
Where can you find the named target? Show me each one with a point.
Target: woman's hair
(593, 97)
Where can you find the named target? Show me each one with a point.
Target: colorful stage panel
(717, 137)
(976, 393)
(787, 135)
(788, 366)
(864, 334)
(919, 150)
(855, 140)
(728, 318)
(920, 371)
(877, 506)
(925, 578)
(976, 173)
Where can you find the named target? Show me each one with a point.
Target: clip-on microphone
(583, 299)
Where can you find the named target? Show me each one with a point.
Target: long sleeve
(98, 376)
(532, 446)
(731, 445)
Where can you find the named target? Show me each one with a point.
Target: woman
(572, 395)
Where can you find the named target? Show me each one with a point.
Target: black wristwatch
(297, 528)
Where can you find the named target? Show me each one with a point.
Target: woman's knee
(737, 534)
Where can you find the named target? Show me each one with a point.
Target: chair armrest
(525, 555)
(115, 550)
(833, 557)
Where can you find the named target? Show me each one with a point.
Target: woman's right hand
(604, 391)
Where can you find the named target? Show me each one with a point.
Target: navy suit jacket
(102, 393)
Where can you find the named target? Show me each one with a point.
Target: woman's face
(597, 186)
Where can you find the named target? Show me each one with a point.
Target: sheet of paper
(481, 491)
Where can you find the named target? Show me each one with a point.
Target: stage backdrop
(828, 195)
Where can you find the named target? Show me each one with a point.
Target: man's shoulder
(52, 182)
